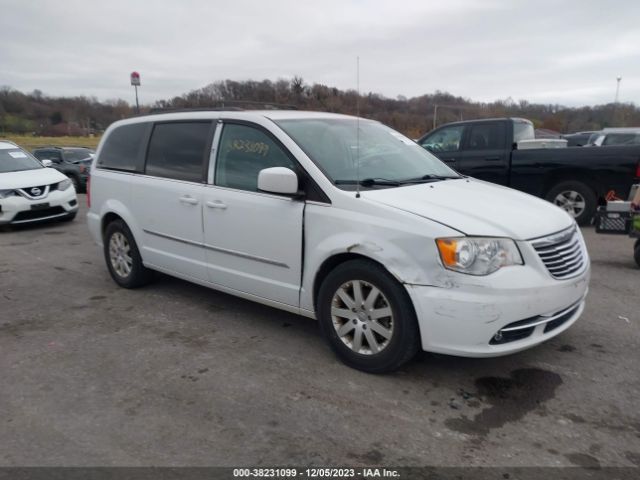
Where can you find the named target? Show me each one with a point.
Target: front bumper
(17, 210)
(514, 309)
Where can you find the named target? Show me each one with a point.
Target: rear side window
(124, 147)
(621, 139)
(178, 150)
(487, 136)
(243, 152)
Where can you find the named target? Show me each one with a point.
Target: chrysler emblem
(35, 191)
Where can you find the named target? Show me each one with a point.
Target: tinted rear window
(124, 147)
(487, 136)
(177, 150)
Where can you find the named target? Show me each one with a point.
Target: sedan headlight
(477, 255)
(64, 184)
(6, 193)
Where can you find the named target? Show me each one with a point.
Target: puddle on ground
(510, 399)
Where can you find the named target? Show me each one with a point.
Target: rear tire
(576, 198)
(123, 257)
(367, 317)
(636, 252)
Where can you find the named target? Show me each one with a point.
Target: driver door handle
(189, 200)
(216, 204)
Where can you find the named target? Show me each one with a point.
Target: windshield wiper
(428, 178)
(370, 182)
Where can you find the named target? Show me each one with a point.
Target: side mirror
(278, 180)
(46, 163)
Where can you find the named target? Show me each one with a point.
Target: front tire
(636, 252)
(367, 317)
(576, 198)
(123, 257)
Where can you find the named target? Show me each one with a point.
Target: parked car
(616, 136)
(575, 179)
(578, 139)
(340, 219)
(74, 162)
(30, 192)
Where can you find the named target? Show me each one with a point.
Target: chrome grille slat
(558, 250)
(562, 253)
(560, 259)
(566, 265)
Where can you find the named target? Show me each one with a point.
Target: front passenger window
(446, 139)
(243, 152)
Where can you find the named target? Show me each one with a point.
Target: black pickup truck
(503, 151)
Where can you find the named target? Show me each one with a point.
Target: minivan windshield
(385, 157)
(16, 160)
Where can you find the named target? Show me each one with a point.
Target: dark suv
(74, 162)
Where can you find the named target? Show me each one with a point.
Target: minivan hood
(474, 207)
(30, 178)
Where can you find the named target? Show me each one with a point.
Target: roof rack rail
(235, 105)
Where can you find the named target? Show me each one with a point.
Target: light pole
(618, 78)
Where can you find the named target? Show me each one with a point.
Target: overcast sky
(567, 52)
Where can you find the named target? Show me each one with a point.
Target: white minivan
(341, 219)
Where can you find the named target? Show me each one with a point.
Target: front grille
(36, 192)
(562, 253)
(36, 214)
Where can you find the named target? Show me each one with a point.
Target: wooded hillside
(38, 114)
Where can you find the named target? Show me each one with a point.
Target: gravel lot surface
(177, 374)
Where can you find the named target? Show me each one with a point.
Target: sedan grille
(562, 253)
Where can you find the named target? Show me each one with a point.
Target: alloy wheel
(571, 201)
(120, 255)
(362, 317)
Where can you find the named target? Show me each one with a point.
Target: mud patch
(567, 348)
(510, 399)
(633, 457)
(187, 340)
(583, 460)
(372, 457)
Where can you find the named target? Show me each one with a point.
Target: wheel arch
(115, 210)
(330, 263)
(571, 175)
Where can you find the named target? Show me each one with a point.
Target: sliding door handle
(188, 199)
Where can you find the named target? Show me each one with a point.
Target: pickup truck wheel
(75, 183)
(636, 252)
(367, 317)
(576, 198)
(123, 258)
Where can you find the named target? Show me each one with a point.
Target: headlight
(64, 184)
(6, 193)
(478, 256)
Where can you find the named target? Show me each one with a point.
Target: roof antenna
(358, 127)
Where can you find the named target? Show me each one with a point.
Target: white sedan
(30, 192)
